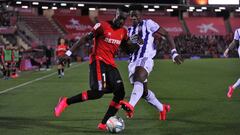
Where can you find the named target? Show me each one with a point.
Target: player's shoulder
(100, 24)
(125, 28)
(237, 30)
(96, 26)
(149, 21)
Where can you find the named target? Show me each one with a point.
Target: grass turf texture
(196, 91)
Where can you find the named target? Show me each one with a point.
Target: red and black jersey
(106, 42)
(61, 50)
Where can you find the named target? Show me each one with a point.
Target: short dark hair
(136, 7)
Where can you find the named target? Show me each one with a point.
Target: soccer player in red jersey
(60, 52)
(104, 75)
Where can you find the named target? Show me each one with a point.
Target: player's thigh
(115, 82)
(140, 69)
(147, 64)
(143, 68)
(93, 76)
(60, 62)
(97, 76)
(140, 74)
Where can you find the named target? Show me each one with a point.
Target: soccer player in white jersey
(234, 43)
(144, 31)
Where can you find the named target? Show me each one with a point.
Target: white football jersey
(145, 29)
(237, 34)
(237, 37)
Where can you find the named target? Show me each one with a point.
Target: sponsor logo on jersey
(112, 41)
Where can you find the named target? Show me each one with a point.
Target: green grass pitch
(196, 91)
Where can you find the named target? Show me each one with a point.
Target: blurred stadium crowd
(33, 33)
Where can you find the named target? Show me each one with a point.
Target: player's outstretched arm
(84, 39)
(230, 47)
(175, 56)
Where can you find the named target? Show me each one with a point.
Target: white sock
(236, 84)
(151, 99)
(136, 94)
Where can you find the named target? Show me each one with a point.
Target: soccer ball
(115, 124)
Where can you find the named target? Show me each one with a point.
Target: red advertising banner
(171, 24)
(74, 25)
(108, 17)
(206, 25)
(235, 23)
(66, 12)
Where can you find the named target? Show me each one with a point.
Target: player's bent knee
(140, 74)
(145, 93)
(138, 78)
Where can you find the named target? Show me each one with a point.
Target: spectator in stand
(15, 61)
(7, 61)
(80, 53)
(48, 52)
(35, 62)
(202, 46)
(1, 60)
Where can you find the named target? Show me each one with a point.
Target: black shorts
(104, 77)
(8, 65)
(60, 61)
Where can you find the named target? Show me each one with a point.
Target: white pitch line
(29, 82)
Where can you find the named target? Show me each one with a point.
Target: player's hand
(225, 54)
(178, 59)
(136, 39)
